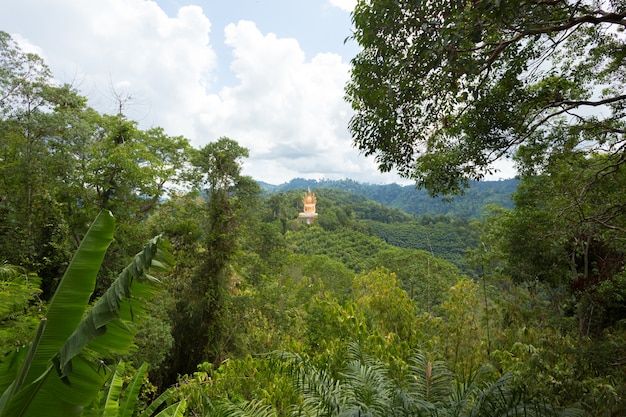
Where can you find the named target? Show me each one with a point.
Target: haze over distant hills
(412, 200)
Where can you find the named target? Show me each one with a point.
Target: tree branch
(595, 18)
(577, 103)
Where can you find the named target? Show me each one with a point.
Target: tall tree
(129, 171)
(61, 162)
(20, 74)
(443, 89)
(33, 231)
(202, 331)
(567, 230)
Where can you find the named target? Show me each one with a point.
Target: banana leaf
(71, 299)
(174, 410)
(131, 394)
(103, 329)
(114, 392)
(160, 400)
(73, 344)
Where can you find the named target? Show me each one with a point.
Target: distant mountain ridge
(412, 200)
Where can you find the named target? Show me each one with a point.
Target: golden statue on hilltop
(309, 213)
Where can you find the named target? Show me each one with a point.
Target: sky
(269, 74)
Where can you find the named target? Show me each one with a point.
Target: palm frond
(367, 390)
(243, 409)
(319, 390)
(503, 398)
(465, 388)
(8, 271)
(356, 353)
(492, 398)
(430, 380)
(160, 400)
(571, 412)
(174, 410)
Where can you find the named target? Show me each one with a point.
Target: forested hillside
(142, 276)
(416, 201)
(444, 237)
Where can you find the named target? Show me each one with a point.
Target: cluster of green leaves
(121, 398)
(348, 246)
(358, 359)
(61, 162)
(442, 90)
(305, 304)
(62, 370)
(20, 307)
(309, 304)
(570, 222)
(563, 241)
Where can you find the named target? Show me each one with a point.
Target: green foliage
(377, 322)
(312, 274)
(362, 386)
(153, 339)
(62, 371)
(424, 277)
(120, 398)
(329, 324)
(562, 244)
(442, 90)
(354, 206)
(541, 348)
(61, 162)
(559, 234)
(20, 74)
(443, 237)
(387, 306)
(203, 311)
(20, 307)
(243, 385)
(464, 341)
(350, 247)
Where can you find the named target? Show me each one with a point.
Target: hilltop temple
(309, 213)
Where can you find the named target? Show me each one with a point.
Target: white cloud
(27, 46)
(130, 46)
(347, 5)
(288, 111)
(287, 108)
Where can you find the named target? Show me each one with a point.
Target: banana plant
(65, 366)
(119, 402)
